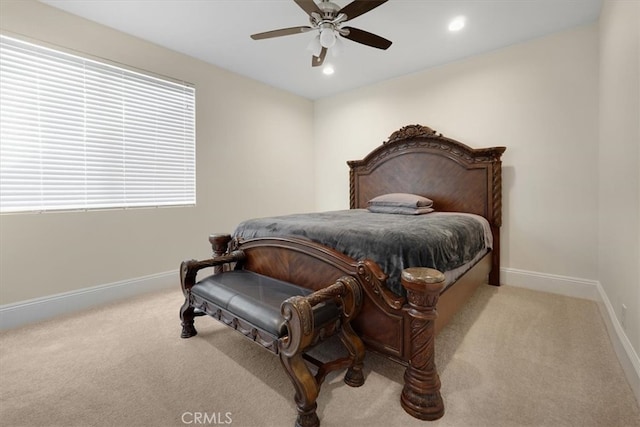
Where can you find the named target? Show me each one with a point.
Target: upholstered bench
(284, 318)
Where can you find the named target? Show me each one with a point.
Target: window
(76, 133)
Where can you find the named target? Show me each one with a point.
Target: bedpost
(496, 214)
(494, 274)
(421, 393)
(219, 245)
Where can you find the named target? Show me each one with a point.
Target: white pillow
(399, 210)
(402, 200)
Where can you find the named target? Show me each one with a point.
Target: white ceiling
(217, 31)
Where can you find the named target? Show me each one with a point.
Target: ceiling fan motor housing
(329, 9)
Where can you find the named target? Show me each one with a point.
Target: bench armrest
(298, 312)
(346, 292)
(189, 269)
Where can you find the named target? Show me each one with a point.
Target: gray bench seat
(257, 299)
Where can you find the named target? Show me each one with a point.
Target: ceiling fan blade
(358, 7)
(367, 38)
(317, 61)
(281, 32)
(308, 6)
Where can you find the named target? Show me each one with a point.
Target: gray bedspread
(444, 241)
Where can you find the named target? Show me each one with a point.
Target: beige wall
(251, 139)
(619, 162)
(539, 99)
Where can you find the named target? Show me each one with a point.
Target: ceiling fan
(327, 18)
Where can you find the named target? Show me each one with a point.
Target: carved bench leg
(354, 376)
(186, 316)
(421, 393)
(187, 280)
(298, 315)
(306, 387)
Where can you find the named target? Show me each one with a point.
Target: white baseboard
(627, 355)
(39, 309)
(562, 285)
(586, 289)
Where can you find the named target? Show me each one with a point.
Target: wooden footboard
(402, 329)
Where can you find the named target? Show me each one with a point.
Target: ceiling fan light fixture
(314, 46)
(327, 37)
(328, 70)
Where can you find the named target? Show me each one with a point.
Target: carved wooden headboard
(418, 160)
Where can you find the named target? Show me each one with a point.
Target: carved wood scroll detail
(372, 277)
(298, 307)
(439, 143)
(412, 131)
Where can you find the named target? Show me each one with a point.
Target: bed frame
(415, 159)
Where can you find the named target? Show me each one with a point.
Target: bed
(399, 321)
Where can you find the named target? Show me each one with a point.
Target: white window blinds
(80, 134)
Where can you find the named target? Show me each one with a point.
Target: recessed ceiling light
(457, 23)
(328, 70)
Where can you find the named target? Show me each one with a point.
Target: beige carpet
(512, 357)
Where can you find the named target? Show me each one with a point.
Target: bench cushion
(257, 299)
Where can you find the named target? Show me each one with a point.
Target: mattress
(450, 242)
